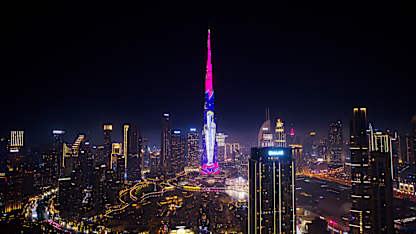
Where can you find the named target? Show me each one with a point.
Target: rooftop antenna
(267, 113)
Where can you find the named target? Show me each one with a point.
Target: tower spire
(208, 78)
(209, 157)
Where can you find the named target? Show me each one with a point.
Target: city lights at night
(109, 125)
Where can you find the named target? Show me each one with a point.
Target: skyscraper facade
(412, 154)
(221, 138)
(15, 170)
(177, 152)
(280, 135)
(335, 141)
(133, 155)
(108, 129)
(126, 144)
(272, 202)
(360, 179)
(57, 152)
(381, 174)
(209, 155)
(265, 135)
(165, 144)
(192, 148)
(231, 149)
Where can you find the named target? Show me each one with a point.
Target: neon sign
(276, 153)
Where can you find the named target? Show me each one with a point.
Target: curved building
(265, 135)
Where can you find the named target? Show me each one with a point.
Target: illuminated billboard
(275, 152)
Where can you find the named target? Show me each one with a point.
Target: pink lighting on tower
(208, 79)
(209, 163)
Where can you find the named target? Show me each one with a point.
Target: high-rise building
(297, 155)
(177, 150)
(280, 135)
(192, 148)
(322, 150)
(126, 143)
(209, 156)
(15, 166)
(70, 154)
(132, 147)
(412, 159)
(335, 142)
(221, 137)
(360, 179)
(381, 177)
(396, 152)
(57, 152)
(231, 149)
(165, 141)
(108, 129)
(272, 202)
(116, 151)
(265, 135)
(3, 153)
(291, 138)
(408, 154)
(16, 138)
(311, 144)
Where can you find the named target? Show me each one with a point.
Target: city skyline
(140, 72)
(108, 121)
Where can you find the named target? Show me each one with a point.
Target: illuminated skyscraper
(280, 135)
(126, 143)
(57, 153)
(165, 141)
(412, 158)
(221, 146)
(381, 174)
(231, 150)
(192, 148)
(209, 155)
(272, 202)
(311, 145)
(335, 141)
(16, 139)
(291, 138)
(117, 159)
(265, 135)
(131, 151)
(108, 129)
(177, 152)
(15, 170)
(3, 153)
(360, 179)
(297, 156)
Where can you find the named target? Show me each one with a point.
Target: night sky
(76, 66)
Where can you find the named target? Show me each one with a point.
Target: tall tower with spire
(209, 156)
